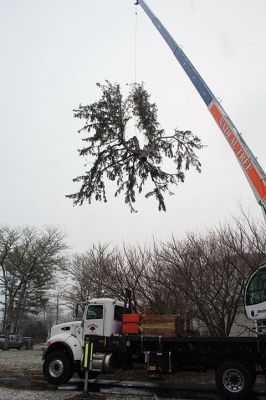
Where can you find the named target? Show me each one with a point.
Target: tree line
(202, 276)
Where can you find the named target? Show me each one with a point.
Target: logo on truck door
(92, 327)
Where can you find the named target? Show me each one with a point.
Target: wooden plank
(162, 325)
(167, 325)
(158, 332)
(159, 318)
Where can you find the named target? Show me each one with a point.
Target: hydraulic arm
(249, 164)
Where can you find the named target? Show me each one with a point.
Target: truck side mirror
(128, 301)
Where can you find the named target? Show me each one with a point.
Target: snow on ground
(15, 394)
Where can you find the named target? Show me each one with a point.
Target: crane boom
(249, 164)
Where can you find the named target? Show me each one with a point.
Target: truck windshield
(256, 291)
(94, 312)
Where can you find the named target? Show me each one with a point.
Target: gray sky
(52, 54)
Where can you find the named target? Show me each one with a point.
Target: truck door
(255, 296)
(94, 321)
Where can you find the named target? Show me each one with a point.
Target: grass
(20, 362)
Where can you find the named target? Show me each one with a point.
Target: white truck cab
(63, 350)
(103, 317)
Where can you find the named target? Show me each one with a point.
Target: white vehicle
(255, 295)
(63, 351)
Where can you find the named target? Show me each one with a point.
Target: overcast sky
(52, 54)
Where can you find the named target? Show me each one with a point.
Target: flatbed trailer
(199, 352)
(236, 360)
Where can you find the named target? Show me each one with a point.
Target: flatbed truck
(236, 360)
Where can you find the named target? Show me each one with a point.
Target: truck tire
(57, 368)
(234, 380)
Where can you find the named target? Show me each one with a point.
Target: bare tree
(211, 270)
(28, 262)
(103, 271)
(89, 274)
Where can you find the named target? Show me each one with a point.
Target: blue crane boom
(248, 162)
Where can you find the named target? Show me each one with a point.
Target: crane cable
(135, 43)
(135, 59)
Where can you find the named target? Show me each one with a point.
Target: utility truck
(99, 342)
(64, 350)
(236, 360)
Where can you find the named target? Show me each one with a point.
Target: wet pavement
(22, 389)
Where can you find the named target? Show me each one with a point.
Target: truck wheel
(57, 368)
(234, 380)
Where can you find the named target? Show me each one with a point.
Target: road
(111, 390)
